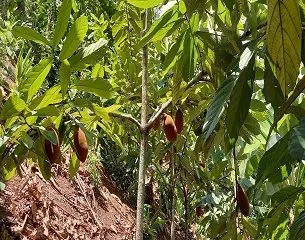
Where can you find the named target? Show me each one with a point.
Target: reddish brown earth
(63, 208)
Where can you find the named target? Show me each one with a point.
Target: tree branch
(286, 105)
(201, 76)
(126, 116)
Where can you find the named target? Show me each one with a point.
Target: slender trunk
(173, 195)
(185, 193)
(144, 139)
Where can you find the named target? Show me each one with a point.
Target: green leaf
(286, 193)
(188, 57)
(89, 55)
(51, 96)
(216, 108)
(252, 125)
(12, 107)
(2, 186)
(145, 3)
(74, 38)
(27, 140)
(44, 166)
(173, 53)
(8, 168)
(159, 27)
(48, 134)
(47, 111)
(272, 90)
(30, 34)
(74, 165)
(99, 87)
(297, 141)
(64, 76)
(239, 103)
(277, 156)
(297, 229)
(62, 21)
(35, 78)
(284, 33)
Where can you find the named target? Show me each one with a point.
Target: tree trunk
(144, 139)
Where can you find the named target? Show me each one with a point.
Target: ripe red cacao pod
(242, 200)
(80, 144)
(52, 151)
(179, 121)
(169, 128)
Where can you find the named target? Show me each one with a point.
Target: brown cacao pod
(52, 151)
(179, 121)
(156, 124)
(169, 128)
(199, 211)
(80, 144)
(242, 200)
(149, 194)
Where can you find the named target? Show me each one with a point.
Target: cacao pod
(179, 121)
(242, 200)
(52, 151)
(149, 194)
(156, 124)
(169, 128)
(199, 211)
(80, 144)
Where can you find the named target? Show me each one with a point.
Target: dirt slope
(32, 208)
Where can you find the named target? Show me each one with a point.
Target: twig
(282, 110)
(54, 185)
(126, 116)
(24, 223)
(201, 76)
(79, 181)
(63, 209)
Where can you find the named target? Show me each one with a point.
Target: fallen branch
(81, 186)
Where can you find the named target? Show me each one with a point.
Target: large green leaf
(64, 76)
(173, 54)
(216, 108)
(89, 55)
(62, 21)
(297, 229)
(277, 156)
(99, 87)
(287, 193)
(160, 27)
(30, 34)
(272, 90)
(297, 141)
(12, 107)
(43, 163)
(284, 41)
(239, 103)
(51, 96)
(74, 38)
(188, 57)
(35, 78)
(145, 3)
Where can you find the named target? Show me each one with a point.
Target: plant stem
(144, 137)
(172, 195)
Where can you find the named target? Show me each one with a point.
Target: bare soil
(63, 208)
